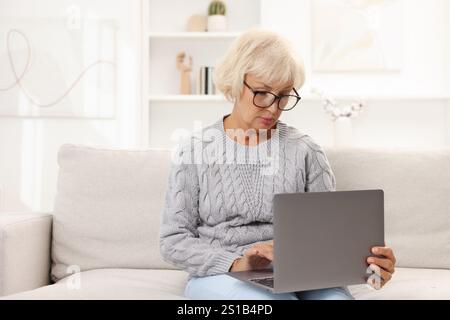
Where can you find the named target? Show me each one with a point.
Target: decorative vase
(217, 23)
(343, 132)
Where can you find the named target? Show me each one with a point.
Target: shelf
(383, 97)
(194, 35)
(187, 98)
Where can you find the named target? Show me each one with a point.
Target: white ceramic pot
(217, 23)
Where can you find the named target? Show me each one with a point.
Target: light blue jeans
(223, 287)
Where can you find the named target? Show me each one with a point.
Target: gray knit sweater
(219, 197)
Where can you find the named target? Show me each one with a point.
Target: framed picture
(55, 67)
(357, 35)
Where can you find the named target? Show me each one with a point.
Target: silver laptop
(321, 240)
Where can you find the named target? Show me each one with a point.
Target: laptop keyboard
(268, 282)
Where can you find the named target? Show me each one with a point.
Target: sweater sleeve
(180, 243)
(319, 175)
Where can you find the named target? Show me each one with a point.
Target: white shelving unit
(193, 35)
(164, 35)
(186, 98)
(163, 38)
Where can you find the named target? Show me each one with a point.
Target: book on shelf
(205, 81)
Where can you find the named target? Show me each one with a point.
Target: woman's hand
(258, 257)
(383, 266)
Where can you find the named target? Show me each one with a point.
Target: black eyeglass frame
(276, 97)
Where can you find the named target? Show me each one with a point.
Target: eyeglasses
(265, 99)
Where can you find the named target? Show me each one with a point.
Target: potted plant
(217, 21)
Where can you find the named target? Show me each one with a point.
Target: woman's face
(253, 117)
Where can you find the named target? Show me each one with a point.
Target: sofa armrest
(25, 240)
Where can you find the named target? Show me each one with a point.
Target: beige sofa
(101, 241)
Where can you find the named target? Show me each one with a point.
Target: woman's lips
(266, 120)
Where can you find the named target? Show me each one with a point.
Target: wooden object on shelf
(185, 77)
(196, 23)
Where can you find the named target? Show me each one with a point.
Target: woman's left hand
(383, 266)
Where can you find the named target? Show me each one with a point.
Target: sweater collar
(261, 152)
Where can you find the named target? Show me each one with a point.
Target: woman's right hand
(258, 257)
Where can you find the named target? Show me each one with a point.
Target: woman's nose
(273, 109)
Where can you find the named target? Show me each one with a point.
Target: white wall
(412, 112)
(422, 74)
(425, 23)
(403, 109)
(447, 47)
(447, 68)
(28, 147)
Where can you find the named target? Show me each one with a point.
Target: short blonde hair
(263, 54)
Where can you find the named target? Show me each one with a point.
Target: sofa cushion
(409, 284)
(113, 284)
(416, 192)
(107, 209)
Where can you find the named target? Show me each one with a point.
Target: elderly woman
(218, 211)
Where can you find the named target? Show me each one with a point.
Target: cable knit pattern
(218, 207)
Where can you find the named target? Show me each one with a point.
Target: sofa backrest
(108, 204)
(107, 209)
(416, 188)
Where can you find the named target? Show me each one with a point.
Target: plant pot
(217, 23)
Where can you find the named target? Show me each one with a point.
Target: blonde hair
(265, 55)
